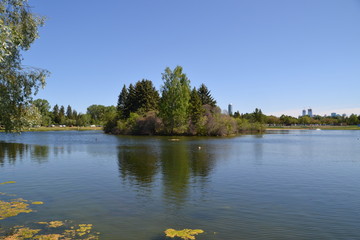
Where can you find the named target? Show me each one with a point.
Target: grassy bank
(354, 127)
(45, 129)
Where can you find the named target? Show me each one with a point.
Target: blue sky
(280, 55)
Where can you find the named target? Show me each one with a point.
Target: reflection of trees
(138, 163)
(11, 152)
(179, 162)
(176, 171)
(202, 161)
(40, 153)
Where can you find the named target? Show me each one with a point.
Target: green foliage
(146, 96)
(184, 234)
(122, 100)
(258, 116)
(141, 98)
(195, 109)
(174, 101)
(43, 105)
(205, 96)
(14, 207)
(69, 112)
(353, 120)
(18, 84)
(99, 114)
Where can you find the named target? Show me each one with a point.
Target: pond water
(282, 185)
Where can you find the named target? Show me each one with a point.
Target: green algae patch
(8, 182)
(13, 208)
(184, 234)
(53, 224)
(21, 232)
(49, 237)
(81, 231)
(37, 203)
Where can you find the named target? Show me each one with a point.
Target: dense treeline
(40, 113)
(285, 120)
(177, 110)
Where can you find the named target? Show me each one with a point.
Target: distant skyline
(279, 56)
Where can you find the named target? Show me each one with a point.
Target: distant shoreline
(354, 127)
(48, 129)
(284, 128)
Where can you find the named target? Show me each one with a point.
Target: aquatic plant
(81, 231)
(7, 182)
(13, 208)
(21, 232)
(184, 234)
(53, 224)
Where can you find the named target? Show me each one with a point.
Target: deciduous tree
(174, 101)
(18, 84)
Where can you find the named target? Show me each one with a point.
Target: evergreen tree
(74, 114)
(130, 102)
(122, 99)
(174, 101)
(205, 96)
(62, 111)
(195, 109)
(62, 115)
(146, 97)
(69, 112)
(56, 117)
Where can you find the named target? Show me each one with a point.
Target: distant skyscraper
(333, 114)
(310, 113)
(304, 113)
(230, 111)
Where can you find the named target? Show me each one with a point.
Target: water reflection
(12, 152)
(175, 165)
(138, 163)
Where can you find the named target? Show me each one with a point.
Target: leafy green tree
(304, 120)
(272, 120)
(83, 120)
(205, 96)
(174, 101)
(353, 120)
(18, 84)
(96, 112)
(258, 116)
(44, 107)
(288, 120)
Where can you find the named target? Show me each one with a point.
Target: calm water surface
(284, 185)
